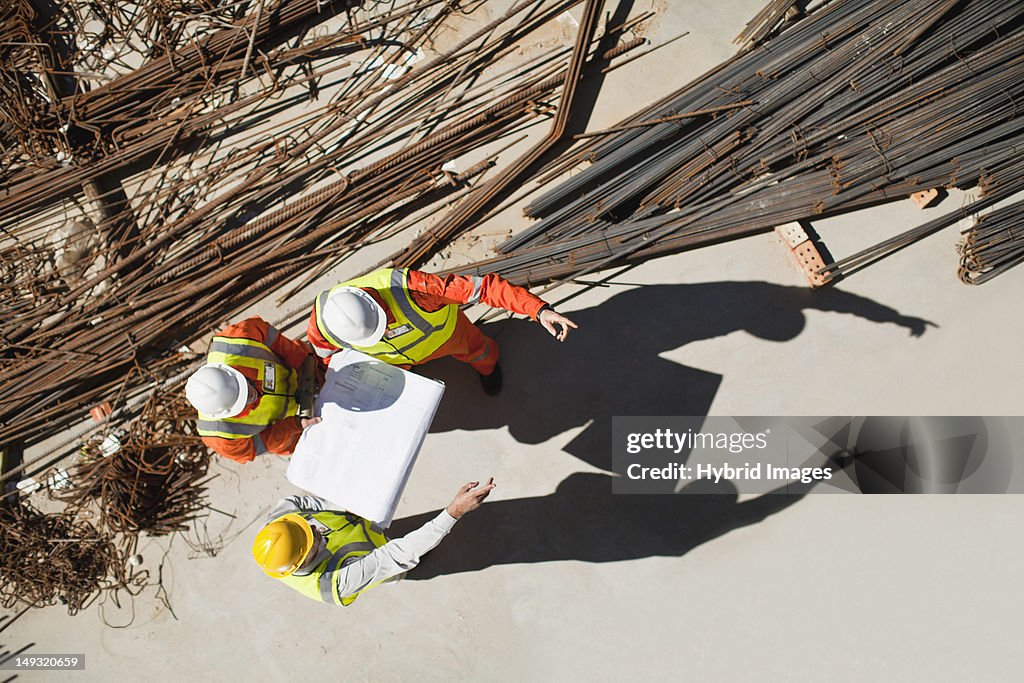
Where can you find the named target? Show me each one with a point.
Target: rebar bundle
(857, 103)
(769, 20)
(993, 245)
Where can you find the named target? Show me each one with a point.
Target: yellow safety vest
(348, 536)
(278, 382)
(415, 333)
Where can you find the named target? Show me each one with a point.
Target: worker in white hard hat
(251, 392)
(407, 317)
(333, 556)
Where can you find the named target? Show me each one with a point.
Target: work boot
(492, 382)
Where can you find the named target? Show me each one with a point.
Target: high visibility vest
(348, 536)
(415, 333)
(278, 383)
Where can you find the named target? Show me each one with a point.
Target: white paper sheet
(375, 417)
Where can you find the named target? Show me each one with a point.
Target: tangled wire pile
(155, 481)
(47, 559)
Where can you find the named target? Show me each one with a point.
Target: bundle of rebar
(857, 103)
(769, 21)
(993, 245)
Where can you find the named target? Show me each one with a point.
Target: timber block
(925, 198)
(806, 254)
(101, 412)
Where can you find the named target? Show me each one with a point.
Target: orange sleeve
(251, 328)
(291, 353)
(434, 291)
(280, 438)
(239, 450)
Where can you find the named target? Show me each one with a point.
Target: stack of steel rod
(858, 103)
(993, 245)
(770, 20)
(217, 188)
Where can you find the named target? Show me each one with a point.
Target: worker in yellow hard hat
(333, 556)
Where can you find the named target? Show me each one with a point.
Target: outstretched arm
(402, 554)
(492, 290)
(841, 301)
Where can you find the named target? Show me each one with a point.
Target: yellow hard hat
(282, 545)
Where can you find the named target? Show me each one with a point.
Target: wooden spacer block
(792, 234)
(924, 198)
(101, 412)
(809, 259)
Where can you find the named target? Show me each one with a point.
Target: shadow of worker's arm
(757, 509)
(585, 522)
(747, 512)
(839, 301)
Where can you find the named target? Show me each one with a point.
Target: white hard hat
(217, 390)
(352, 315)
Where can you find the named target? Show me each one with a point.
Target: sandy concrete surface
(556, 579)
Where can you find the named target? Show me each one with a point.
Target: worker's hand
(469, 498)
(549, 318)
(309, 422)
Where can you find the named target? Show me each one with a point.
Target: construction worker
(252, 390)
(407, 317)
(333, 556)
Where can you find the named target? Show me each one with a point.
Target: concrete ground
(556, 579)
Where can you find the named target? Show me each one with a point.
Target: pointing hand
(469, 498)
(549, 318)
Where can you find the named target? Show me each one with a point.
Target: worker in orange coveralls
(407, 317)
(252, 390)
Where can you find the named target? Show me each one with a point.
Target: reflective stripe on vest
(277, 382)
(348, 537)
(415, 333)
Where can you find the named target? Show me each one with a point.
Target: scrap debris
(58, 558)
(154, 481)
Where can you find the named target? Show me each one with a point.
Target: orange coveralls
(432, 292)
(279, 438)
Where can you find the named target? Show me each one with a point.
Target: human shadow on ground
(611, 365)
(583, 521)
